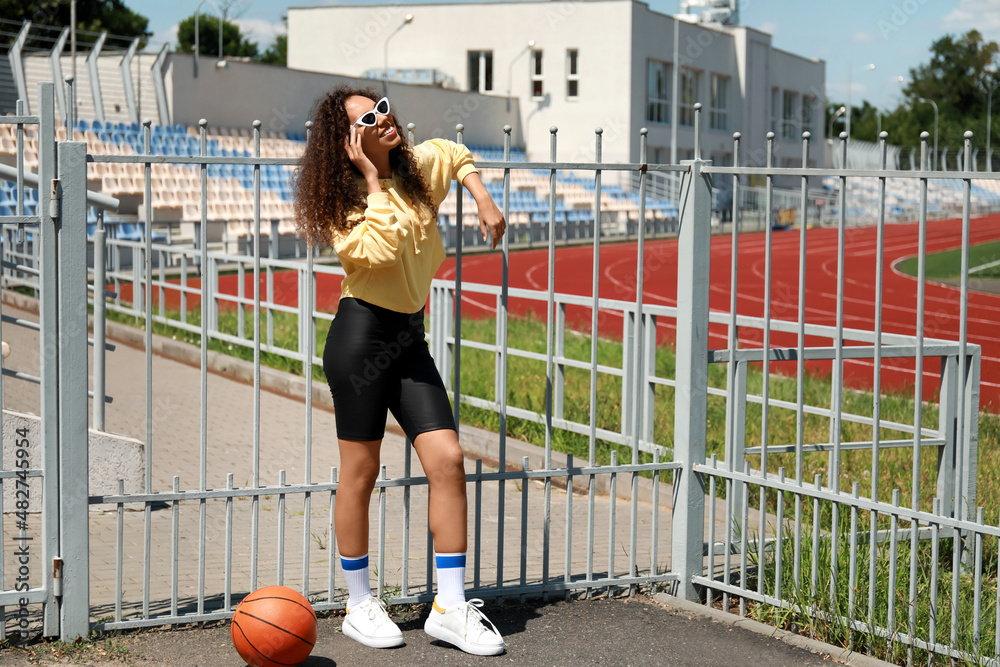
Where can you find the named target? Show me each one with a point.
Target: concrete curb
(476, 442)
(838, 653)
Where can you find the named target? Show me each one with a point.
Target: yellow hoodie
(391, 254)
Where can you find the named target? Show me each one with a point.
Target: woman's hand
(360, 160)
(491, 222)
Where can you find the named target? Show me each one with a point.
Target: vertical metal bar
(255, 508)
(733, 396)
(175, 537)
(837, 390)
(711, 531)
(612, 503)
(641, 377)
(655, 523)
(203, 370)
(935, 547)
(119, 551)
(691, 393)
(877, 379)
(501, 362)
(407, 464)
(800, 363)
(977, 594)
(779, 543)
(228, 592)
(381, 533)
(814, 564)
(524, 525)
(761, 541)
(331, 575)
(281, 529)
(568, 560)
(549, 364)
(309, 297)
(100, 323)
(147, 546)
(744, 536)
(893, 539)
(459, 233)
(595, 291)
(852, 573)
(478, 532)
(74, 534)
(766, 333)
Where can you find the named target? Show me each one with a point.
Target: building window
(808, 110)
(537, 90)
(689, 95)
(719, 112)
(572, 73)
(790, 115)
(481, 71)
(657, 92)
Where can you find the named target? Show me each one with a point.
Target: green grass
(948, 265)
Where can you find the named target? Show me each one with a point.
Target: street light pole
(510, 69)
(833, 119)
(197, 47)
(385, 60)
(934, 104)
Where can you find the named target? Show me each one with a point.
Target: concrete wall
(282, 100)
(112, 457)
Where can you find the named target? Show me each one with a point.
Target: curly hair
(327, 185)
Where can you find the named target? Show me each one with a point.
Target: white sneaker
(369, 623)
(464, 626)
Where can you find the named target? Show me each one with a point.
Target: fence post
(48, 318)
(691, 402)
(74, 540)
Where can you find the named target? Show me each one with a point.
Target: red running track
(573, 275)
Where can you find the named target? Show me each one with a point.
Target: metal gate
(44, 462)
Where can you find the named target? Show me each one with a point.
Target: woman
(362, 189)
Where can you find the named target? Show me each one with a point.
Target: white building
(590, 63)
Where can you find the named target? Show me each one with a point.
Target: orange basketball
(274, 627)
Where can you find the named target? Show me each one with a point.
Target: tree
(958, 78)
(234, 43)
(92, 15)
(277, 53)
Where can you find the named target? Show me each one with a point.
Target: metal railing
(699, 480)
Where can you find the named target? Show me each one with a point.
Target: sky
(850, 35)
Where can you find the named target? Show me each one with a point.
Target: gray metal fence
(728, 521)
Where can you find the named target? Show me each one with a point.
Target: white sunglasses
(368, 119)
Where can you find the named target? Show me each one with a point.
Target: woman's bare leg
(444, 464)
(359, 466)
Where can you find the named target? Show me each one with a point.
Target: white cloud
(862, 37)
(983, 15)
(770, 27)
(260, 31)
(168, 36)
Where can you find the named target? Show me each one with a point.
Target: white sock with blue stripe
(451, 579)
(356, 573)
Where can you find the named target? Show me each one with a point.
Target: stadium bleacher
(176, 189)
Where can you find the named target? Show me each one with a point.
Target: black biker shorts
(377, 360)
